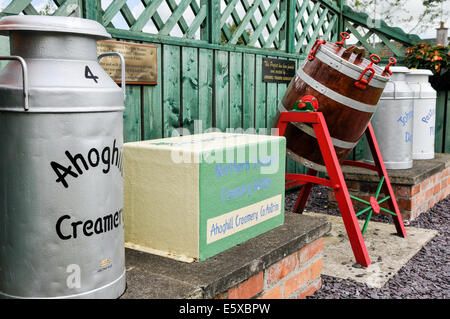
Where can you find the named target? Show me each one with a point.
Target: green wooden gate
(210, 54)
(442, 128)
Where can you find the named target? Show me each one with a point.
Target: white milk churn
(393, 122)
(61, 181)
(424, 113)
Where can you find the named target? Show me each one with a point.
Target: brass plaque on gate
(140, 61)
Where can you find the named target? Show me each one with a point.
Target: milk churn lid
(420, 72)
(400, 69)
(52, 24)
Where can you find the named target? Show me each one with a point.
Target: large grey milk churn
(393, 122)
(61, 181)
(424, 113)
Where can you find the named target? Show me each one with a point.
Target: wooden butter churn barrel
(347, 87)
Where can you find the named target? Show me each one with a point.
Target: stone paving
(426, 275)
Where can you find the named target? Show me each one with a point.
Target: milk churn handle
(122, 62)
(24, 77)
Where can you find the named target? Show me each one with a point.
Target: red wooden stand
(337, 183)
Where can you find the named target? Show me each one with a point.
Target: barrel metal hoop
(310, 131)
(305, 162)
(316, 85)
(344, 69)
(356, 68)
(336, 142)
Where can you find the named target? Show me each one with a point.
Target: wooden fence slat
(189, 87)
(235, 89)
(272, 103)
(152, 106)
(221, 90)
(439, 127)
(291, 166)
(248, 103)
(260, 95)
(132, 114)
(205, 88)
(211, 32)
(446, 124)
(171, 88)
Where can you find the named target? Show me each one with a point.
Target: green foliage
(427, 56)
(48, 9)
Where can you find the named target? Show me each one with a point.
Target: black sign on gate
(277, 70)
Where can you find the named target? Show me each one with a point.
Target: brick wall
(295, 276)
(412, 200)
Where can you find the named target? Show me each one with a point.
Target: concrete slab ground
(388, 252)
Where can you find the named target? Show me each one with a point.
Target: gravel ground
(425, 276)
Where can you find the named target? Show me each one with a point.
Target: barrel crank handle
(122, 62)
(22, 62)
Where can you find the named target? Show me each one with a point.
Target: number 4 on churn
(89, 75)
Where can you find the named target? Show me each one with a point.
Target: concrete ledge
(155, 277)
(421, 170)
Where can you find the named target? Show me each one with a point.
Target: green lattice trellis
(29, 7)
(289, 26)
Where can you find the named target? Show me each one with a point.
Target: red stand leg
(304, 194)
(387, 188)
(336, 179)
